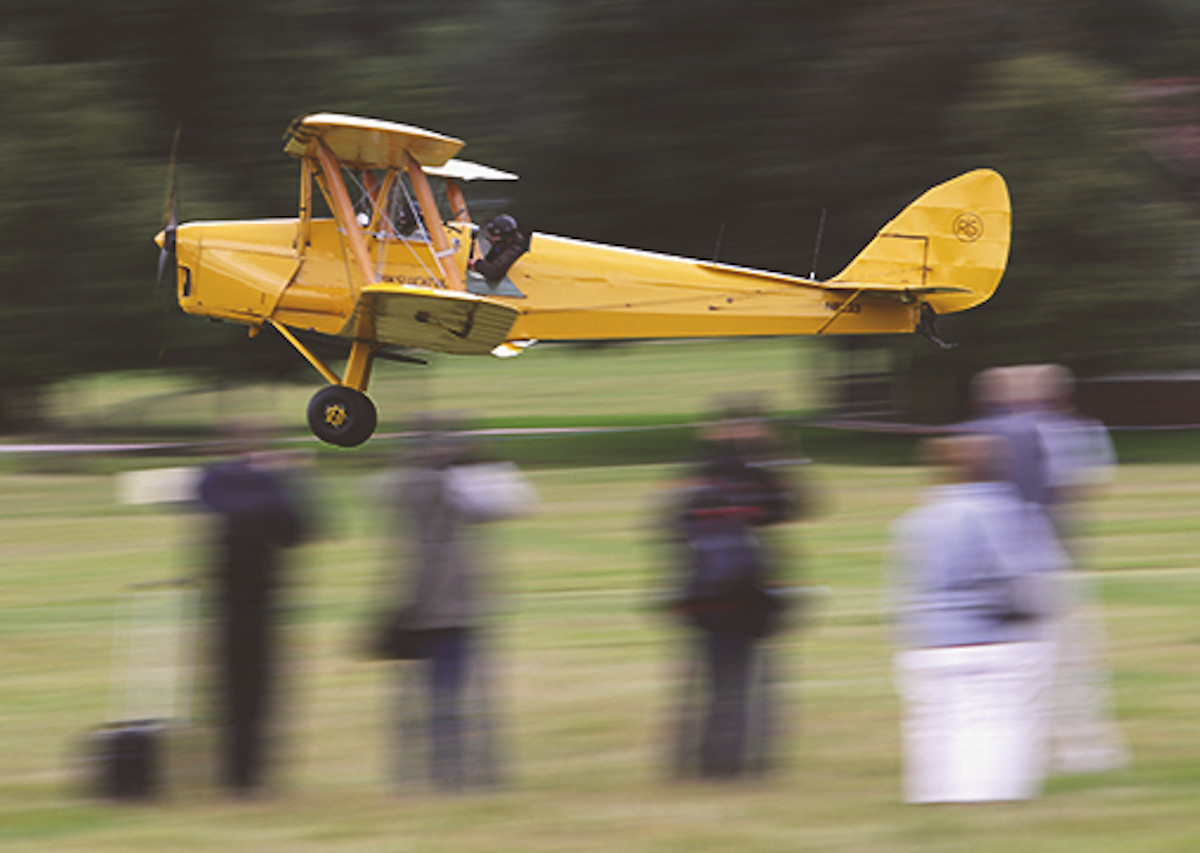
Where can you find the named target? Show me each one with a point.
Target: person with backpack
(724, 594)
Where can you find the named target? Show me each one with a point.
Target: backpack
(724, 569)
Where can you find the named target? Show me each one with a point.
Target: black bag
(127, 760)
(394, 639)
(725, 571)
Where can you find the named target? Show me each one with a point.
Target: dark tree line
(660, 124)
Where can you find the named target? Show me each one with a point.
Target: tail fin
(950, 246)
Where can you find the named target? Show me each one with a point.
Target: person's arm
(1027, 556)
(495, 268)
(493, 491)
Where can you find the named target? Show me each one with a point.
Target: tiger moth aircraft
(389, 271)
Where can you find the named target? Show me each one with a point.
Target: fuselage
(563, 289)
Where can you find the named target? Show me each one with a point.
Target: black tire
(342, 416)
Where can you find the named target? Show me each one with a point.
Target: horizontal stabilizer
(887, 287)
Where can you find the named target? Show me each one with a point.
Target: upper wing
(366, 143)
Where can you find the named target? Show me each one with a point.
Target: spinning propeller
(166, 238)
(166, 256)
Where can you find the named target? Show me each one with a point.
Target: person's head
(408, 219)
(503, 229)
(1028, 387)
(965, 458)
(739, 425)
(735, 415)
(992, 391)
(440, 439)
(1054, 386)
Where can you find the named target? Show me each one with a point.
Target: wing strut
(358, 367)
(343, 208)
(433, 224)
(458, 204)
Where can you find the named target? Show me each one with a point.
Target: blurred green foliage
(671, 125)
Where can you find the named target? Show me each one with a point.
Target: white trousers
(975, 721)
(1085, 735)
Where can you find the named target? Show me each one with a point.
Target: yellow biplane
(389, 271)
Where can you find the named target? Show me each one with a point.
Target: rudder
(950, 245)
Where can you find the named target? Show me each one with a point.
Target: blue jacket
(965, 564)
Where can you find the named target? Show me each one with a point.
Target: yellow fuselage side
(582, 291)
(251, 271)
(235, 270)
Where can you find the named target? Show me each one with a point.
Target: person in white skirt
(971, 570)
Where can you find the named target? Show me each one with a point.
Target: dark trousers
(246, 676)
(447, 671)
(729, 660)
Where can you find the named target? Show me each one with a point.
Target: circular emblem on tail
(968, 227)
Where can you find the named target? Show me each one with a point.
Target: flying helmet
(502, 229)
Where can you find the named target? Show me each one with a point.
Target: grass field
(584, 662)
(585, 666)
(664, 382)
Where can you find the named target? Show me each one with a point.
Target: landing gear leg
(340, 413)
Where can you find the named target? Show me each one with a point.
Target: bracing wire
(389, 213)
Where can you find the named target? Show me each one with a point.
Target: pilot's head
(503, 229)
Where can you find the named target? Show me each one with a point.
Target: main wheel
(342, 416)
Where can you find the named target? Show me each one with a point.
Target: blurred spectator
(725, 594)
(258, 514)
(1079, 454)
(1079, 461)
(971, 569)
(1005, 407)
(443, 492)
